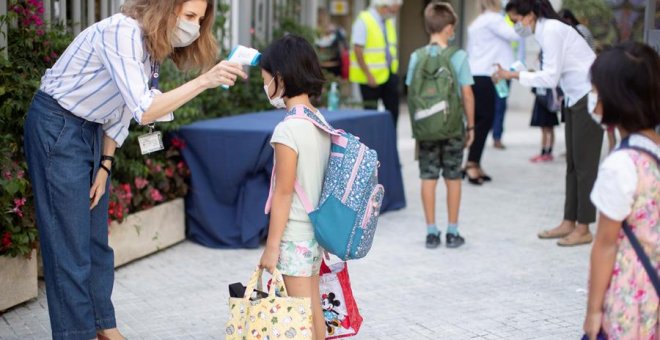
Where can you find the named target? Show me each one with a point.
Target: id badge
(151, 142)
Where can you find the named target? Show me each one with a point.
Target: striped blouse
(103, 76)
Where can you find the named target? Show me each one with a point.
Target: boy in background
(439, 109)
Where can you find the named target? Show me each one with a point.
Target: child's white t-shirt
(313, 148)
(614, 191)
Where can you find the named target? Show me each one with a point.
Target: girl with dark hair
(622, 302)
(79, 116)
(566, 61)
(292, 74)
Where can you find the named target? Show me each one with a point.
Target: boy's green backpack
(436, 110)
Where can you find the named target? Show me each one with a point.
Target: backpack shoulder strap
(307, 204)
(423, 57)
(302, 112)
(625, 144)
(449, 52)
(646, 262)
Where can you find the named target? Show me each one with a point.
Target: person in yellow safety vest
(374, 56)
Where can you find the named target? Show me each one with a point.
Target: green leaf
(12, 188)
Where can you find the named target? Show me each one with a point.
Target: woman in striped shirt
(107, 77)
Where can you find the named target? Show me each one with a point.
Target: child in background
(444, 155)
(291, 74)
(623, 303)
(544, 115)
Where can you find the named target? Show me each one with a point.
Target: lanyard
(155, 74)
(153, 84)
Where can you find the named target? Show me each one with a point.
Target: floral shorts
(299, 258)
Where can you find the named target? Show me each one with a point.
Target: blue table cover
(231, 159)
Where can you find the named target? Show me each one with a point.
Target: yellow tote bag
(277, 316)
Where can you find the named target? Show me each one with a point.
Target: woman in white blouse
(566, 61)
(489, 43)
(107, 77)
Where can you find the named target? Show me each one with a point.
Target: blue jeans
(500, 110)
(63, 153)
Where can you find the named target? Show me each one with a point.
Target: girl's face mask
(277, 102)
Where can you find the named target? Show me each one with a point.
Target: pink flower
(6, 174)
(140, 183)
(178, 143)
(127, 193)
(169, 172)
(40, 32)
(19, 202)
(17, 211)
(155, 195)
(641, 214)
(639, 295)
(20, 174)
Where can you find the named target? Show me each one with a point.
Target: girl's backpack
(346, 218)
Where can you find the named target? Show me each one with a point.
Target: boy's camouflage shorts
(442, 155)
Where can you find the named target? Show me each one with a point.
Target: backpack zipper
(356, 167)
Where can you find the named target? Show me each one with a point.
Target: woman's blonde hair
(490, 5)
(158, 20)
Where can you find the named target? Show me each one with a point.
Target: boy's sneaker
(433, 241)
(454, 241)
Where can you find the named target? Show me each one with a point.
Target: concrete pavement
(503, 284)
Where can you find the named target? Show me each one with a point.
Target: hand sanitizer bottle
(333, 97)
(501, 87)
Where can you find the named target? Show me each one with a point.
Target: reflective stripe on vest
(374, 52)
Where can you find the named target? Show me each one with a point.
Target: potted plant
(18, 234)
(146, 211)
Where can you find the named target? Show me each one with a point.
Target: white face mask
(185, 33)
(522, 30)
(277, 102)
(592, 102)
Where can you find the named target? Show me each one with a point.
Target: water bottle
(502, 88)
(333, 97)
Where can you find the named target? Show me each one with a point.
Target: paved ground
(503, 284)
